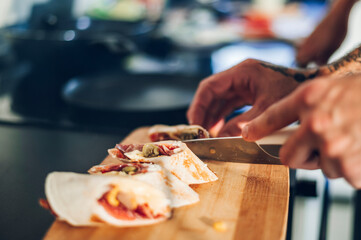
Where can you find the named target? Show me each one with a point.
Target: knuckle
(249, 61)
(312, 123)
(310, 92)
(316, 122)
(204, 83)
(307, 95)
(246, 65)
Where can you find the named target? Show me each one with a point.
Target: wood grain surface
(252, 200)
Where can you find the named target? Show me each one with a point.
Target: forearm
(339, 13)
(349, 64)
(342, 6)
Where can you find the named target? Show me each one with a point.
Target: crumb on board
(220, 226)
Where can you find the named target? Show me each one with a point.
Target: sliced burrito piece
(174, 156)
(87, 200)
(179, 132)
(124, 168)
(179, 192)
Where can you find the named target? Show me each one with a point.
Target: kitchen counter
(28, 154)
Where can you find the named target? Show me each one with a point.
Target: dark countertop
(28, 154)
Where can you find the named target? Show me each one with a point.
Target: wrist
(298, 75)
(324, 71)
(302, 75)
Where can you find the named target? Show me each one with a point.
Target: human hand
(327, 36)
(330, 114)
(251, 82)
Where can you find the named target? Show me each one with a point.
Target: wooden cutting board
(252, 200)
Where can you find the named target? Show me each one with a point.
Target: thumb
(234, 126)
(274, 118)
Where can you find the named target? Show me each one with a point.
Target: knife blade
(236, 149)
(233, 149)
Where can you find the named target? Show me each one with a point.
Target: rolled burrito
(174, 156)
(87, 200)
(179, 192)
(178, 132)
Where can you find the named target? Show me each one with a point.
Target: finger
(351, 170)
(330, 158)
(305, 55)
(275, 117)
(198, 108)
(321, 59)
(219, 112)
(285, 111)
(298, 151)
(339, 146)
(214, 130)
(302, 60)
(209, 93)
(330, 167)
(234, 126)
(343, 149)
(212, 113)
(322, 55)
(336, 142)
(335, 154)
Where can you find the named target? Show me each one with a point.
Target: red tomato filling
(119, 154)
(119, 212)
(156, 137)
(123, 213)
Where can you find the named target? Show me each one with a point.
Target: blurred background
(105, 67)
(104, 64)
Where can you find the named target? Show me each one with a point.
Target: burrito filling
(129, 169)
(124, 206)
(186, 134)
(148, 150)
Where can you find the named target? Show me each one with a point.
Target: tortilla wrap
(178, 132)
(178, 192)
(183, 164)
(75, 198)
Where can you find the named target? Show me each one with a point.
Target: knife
(236, 149)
